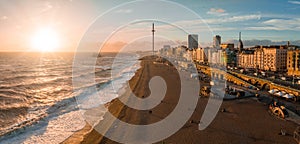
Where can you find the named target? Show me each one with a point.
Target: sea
(38, 101)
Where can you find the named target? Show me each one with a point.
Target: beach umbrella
(272, 91)
(281, 93)
(288, 96)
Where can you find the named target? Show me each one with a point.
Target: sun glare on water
(45, 40)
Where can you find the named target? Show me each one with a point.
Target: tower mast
(240, 44)
(153, 38)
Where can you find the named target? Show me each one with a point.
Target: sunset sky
(27, 25)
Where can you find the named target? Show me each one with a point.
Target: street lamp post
(293, 82)
(293, 79)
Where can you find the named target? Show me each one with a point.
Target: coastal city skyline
(263, 22)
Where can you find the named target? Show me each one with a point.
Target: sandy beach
(244, 121)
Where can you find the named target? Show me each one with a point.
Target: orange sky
(70, 20)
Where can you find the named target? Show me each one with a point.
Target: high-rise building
(240, 44)
(217, 41)
(192, 41)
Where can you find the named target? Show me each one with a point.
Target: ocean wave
(44, 113)
(51, 97)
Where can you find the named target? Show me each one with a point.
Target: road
(291, 105)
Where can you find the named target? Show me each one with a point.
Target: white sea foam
(58, 128)
(56, 131)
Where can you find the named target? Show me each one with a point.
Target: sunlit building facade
(271, 58)
(293, 62)
(246, 59)
(199, 55)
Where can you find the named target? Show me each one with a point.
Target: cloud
(4, 18)
(217, 12)
(124, 11)
(223, 28)
(294, 2)
(243, 18)
(279, 24)
(262, 28)
(47, 7)
(215, 24)
(240, 18)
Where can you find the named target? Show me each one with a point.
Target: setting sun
(45, 40)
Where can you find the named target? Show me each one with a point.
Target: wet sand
(245, 120)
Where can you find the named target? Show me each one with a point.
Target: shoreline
(249, 116)
(88, 134)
